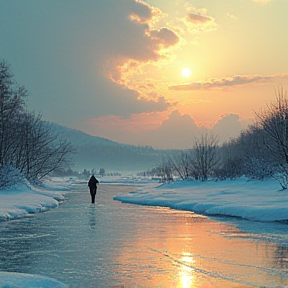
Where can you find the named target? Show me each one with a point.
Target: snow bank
(252, 200)
(23, 199)
(20, 280)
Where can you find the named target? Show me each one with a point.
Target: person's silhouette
(93, 187)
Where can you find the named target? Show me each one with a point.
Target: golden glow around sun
(186, 72)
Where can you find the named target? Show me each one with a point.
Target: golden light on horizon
(186, 72)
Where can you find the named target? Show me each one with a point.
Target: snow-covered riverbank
(251, 200)
(19, 201)
(23, 199)
(20, 280)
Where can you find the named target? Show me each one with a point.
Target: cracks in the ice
(215, 274)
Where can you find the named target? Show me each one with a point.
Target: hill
(96, 152)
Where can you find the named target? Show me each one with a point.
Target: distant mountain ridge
(94, 152)
(77, 137)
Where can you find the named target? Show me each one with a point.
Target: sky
(114, 68)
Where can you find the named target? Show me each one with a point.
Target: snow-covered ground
(23, 199)
(20, 280)
(252, 200)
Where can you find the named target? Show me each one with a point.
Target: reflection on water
(186, 273)
(92, 216)
(111, 244)
(281, 257)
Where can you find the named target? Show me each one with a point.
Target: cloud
(130, 130)
(228, 127)
(124, 39)
(178, 131)
(135, 123)
(141, 12)
(150, 105)
(69, 55)
(229, 82)
(231, 16)
(165, 36)
(175, 131)
(195, 21)
(198, 19)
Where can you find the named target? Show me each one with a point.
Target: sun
(186, 72)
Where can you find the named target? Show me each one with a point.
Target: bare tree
(205, 157)
(180, 163)
(274, 124)
(44, 152)
(26, 142)
(37, 151)
(12, 98)
(165, 169)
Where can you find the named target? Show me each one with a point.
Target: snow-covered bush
(259, 168)
(282, 178)
(9, 176)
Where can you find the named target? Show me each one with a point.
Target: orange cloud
(165, 37)
(135, 123)
(141, 12)
(234, 81)
(193, 23)
(198, 19)
(142, 44)
(228, 127)
(162, 129)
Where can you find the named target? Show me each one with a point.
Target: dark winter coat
(93, 183)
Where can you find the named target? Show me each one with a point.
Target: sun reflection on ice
(186, 275)
(186, 281)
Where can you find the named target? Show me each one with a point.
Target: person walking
(92, 184)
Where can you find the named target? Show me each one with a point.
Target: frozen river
(122, 245)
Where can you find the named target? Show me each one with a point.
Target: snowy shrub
(259, 168)
(281, 175)
(9, 176)
(282, 179)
